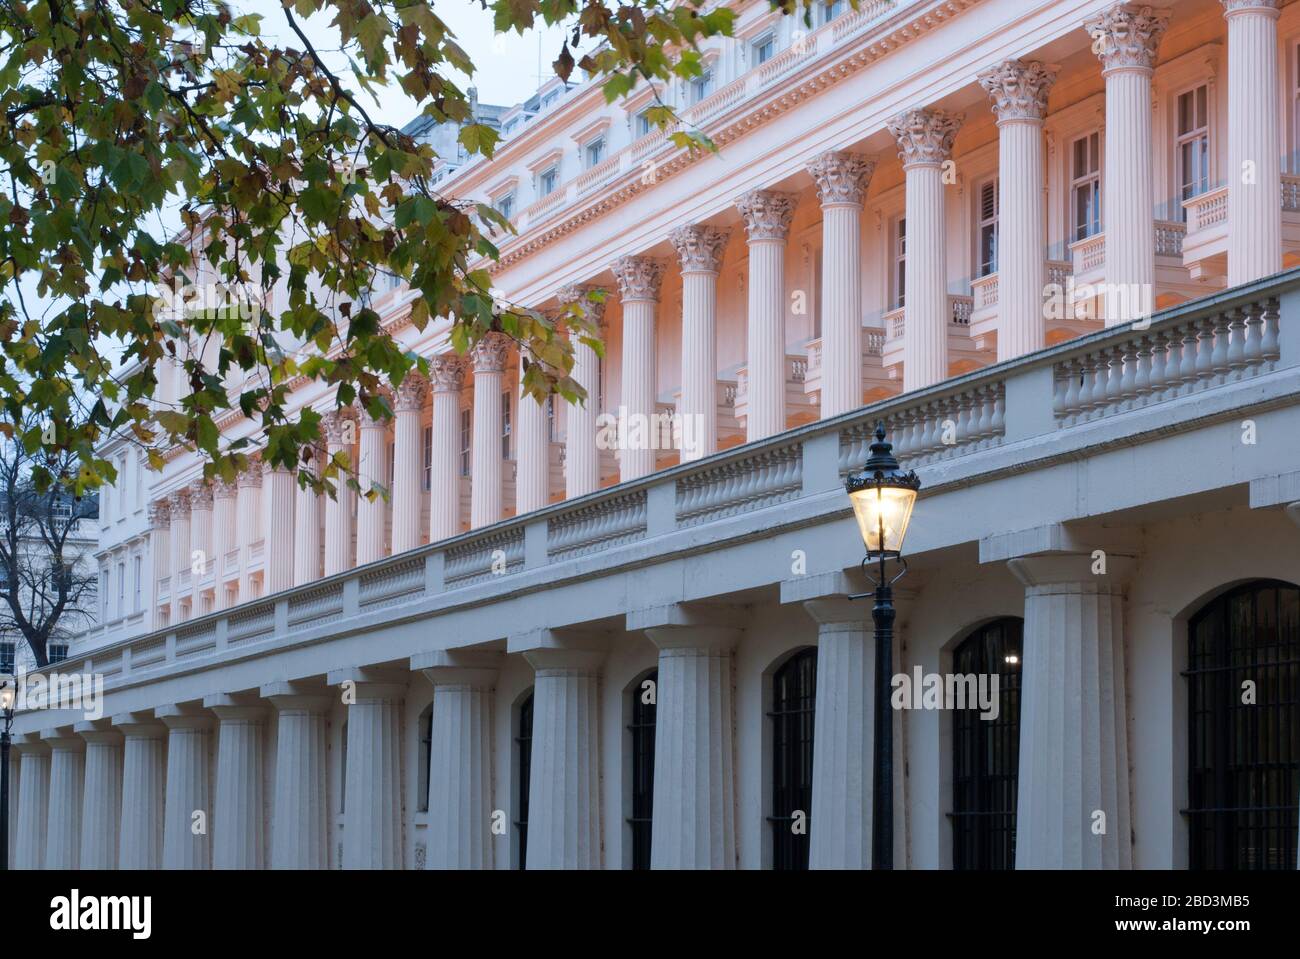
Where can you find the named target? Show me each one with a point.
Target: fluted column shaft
(699, 251)
(767, 216)
(694, 818)
(63, 823)
(237, 828)
(564, 780)
(408, 462)
(460, 769)
(185, 832)
(372, 471)
(1073, 805)
(306, 536)
(372, 832)
(842, 180)
(532, 451)
(925, 145)
(1019, 91)
(159, 558)
(143, 791)
(299, 827)
(446, 374)
(180, 547)
(224, 527)
(200, 543)
(581, 455)
(1125, 39)
(101, 808)
(487, 463)
(33, 806)
(840, 819)
(639, 279)
(1254, 167)
(280, 495)
(340, 432)
(248, 510)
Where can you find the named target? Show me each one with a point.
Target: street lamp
(883, 496)
(8, 691)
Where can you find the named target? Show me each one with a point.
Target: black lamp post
(8, 690)
(882, 496)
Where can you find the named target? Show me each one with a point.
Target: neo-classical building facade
(1048, 244)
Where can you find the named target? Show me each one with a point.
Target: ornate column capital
(767, 214)
(160, 514)
(842, 178)
(251, 478)
(699, 248)
(577, 293)
(1126, 36)
(490, 353)
(639, 277)
(924, 136)
(200, 495)
(180, 501)
(446, 373)
(369, 422)
(1267, 7)
(223, 490)
(1018, 88)
(409, 397)
(334, 425)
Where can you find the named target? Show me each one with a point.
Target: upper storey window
(1085, 185)
(594, 152)
(701, 86)
(506, 205)
(833, 9)
(548, 181)
(988, 227)
(899, 273)
(1193, 149)
(642, 123)
(763, 49)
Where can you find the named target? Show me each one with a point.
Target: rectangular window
(121, 589)
(139, 583)
(643, 124)
(428, 458)
(103, 595)
(900, 261)
(466, 431)
(834, 8)
(1085, 185)
(763, 48)
(121, 487)
(988, 228)
(594, 152)
(701, 86)
(505, 425)
(1193, 147)
(548, 181)
(506, 205)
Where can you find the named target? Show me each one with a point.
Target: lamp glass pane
(890, 504)
(7, 696)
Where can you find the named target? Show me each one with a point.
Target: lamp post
(8, 690)
(882, 496)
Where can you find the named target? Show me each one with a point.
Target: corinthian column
(532, 454)
(408, 461)
(1073, 808)
(460, 759)
(485, 507)
(372, 833)
(180, 544)
(699, 249)
(101, 804)
(639, 278)
(237, 815)
(581, 456)
(63, 835)
(186, 821)
(372, 470)
(694, 787)
(159, 556)
(200, 541)
(446, 376)
(767, 223)
(33, 804)
(340, 433)
(299, 829)
(564, 781)
(224, 528)
(1125, 38)
(279, 502)
(1019, 92)
(924, 144)
(842, 180)
(307, 528)
(1254, 170)
(143, 789)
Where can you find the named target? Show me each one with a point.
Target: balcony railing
(1211, 360)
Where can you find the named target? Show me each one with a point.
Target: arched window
(642, 757)
(794, 689)
(425, 726)
(524, 756)
(1243, 710)
(986, 752)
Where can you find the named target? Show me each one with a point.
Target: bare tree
(48, 577)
